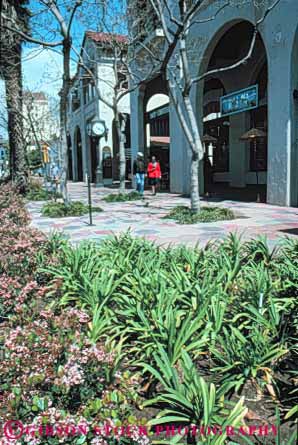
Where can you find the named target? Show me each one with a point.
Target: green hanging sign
(239, 101)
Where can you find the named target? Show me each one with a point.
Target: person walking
(154, 174)
(55, 178)
(139, 170)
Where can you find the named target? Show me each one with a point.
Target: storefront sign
(159, 112)
(239, 101)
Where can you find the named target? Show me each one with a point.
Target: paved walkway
(143, 218)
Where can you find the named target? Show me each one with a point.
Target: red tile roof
(102, 37)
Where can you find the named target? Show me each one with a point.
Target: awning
(160, 140)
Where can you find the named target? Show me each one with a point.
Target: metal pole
(89, 201)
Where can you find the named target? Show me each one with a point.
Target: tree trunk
(120, 126)
(64, 147)
(197, 154)
(13, 86)
(63, 119)
(194, 183)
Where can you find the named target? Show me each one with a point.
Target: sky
(42, 70)
(42, 67)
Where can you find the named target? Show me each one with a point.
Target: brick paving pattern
(143, 218)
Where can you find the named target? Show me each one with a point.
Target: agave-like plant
(242, 358)
(190, 400)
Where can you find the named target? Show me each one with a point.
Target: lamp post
(253, 135)
(96, 130)
(207, 139)
(208, 176)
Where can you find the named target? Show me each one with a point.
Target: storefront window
(219, 129)
(258, 150)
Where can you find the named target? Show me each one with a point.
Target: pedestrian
(55, 176)
(154, 174)
(139, 170)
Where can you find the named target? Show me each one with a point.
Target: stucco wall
(278, 33)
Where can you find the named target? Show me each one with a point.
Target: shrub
(60, 210)
(19, 243)
(71, 379)
(37, 193)
(12, 210)
(122, 197)
(184, 215)
(109, 324)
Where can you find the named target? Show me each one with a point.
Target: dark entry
(79, 155)
(69, 173)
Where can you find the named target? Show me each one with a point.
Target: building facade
(87, 153)
(40, 124)
(220, 37)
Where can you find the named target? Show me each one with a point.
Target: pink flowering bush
(12, 209)
(19, 243)
(51, 372)
(15, 298)
(50, 369)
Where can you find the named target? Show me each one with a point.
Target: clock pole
(96, 130)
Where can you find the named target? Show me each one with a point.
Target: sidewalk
(143, 218)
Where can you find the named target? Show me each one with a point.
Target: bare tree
(116, 42)
(113, 46)
(57, 23)
(176, 18)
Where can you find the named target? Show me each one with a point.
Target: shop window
(219, 153)
(160, 126)
(258, 151)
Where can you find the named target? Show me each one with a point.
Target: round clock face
(98, 128)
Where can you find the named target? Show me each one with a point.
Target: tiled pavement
(143, 218)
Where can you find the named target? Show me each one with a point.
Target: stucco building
(40, 117)
(87, 153)
(271, 74)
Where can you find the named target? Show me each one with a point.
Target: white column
(282, 148)
(237, 150)
(179, 155)
(137, 122)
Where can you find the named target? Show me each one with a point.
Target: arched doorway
(79, 154)
(94, 157)
(239, 168)
(69, 148)
(157, 134)
(216, 128)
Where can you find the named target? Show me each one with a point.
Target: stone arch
(236, 168)
(208, 49)
(157, 127)
(158, 85)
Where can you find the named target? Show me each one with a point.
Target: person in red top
(154, 174)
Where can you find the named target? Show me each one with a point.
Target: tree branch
(31, 39)
(234, 65)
